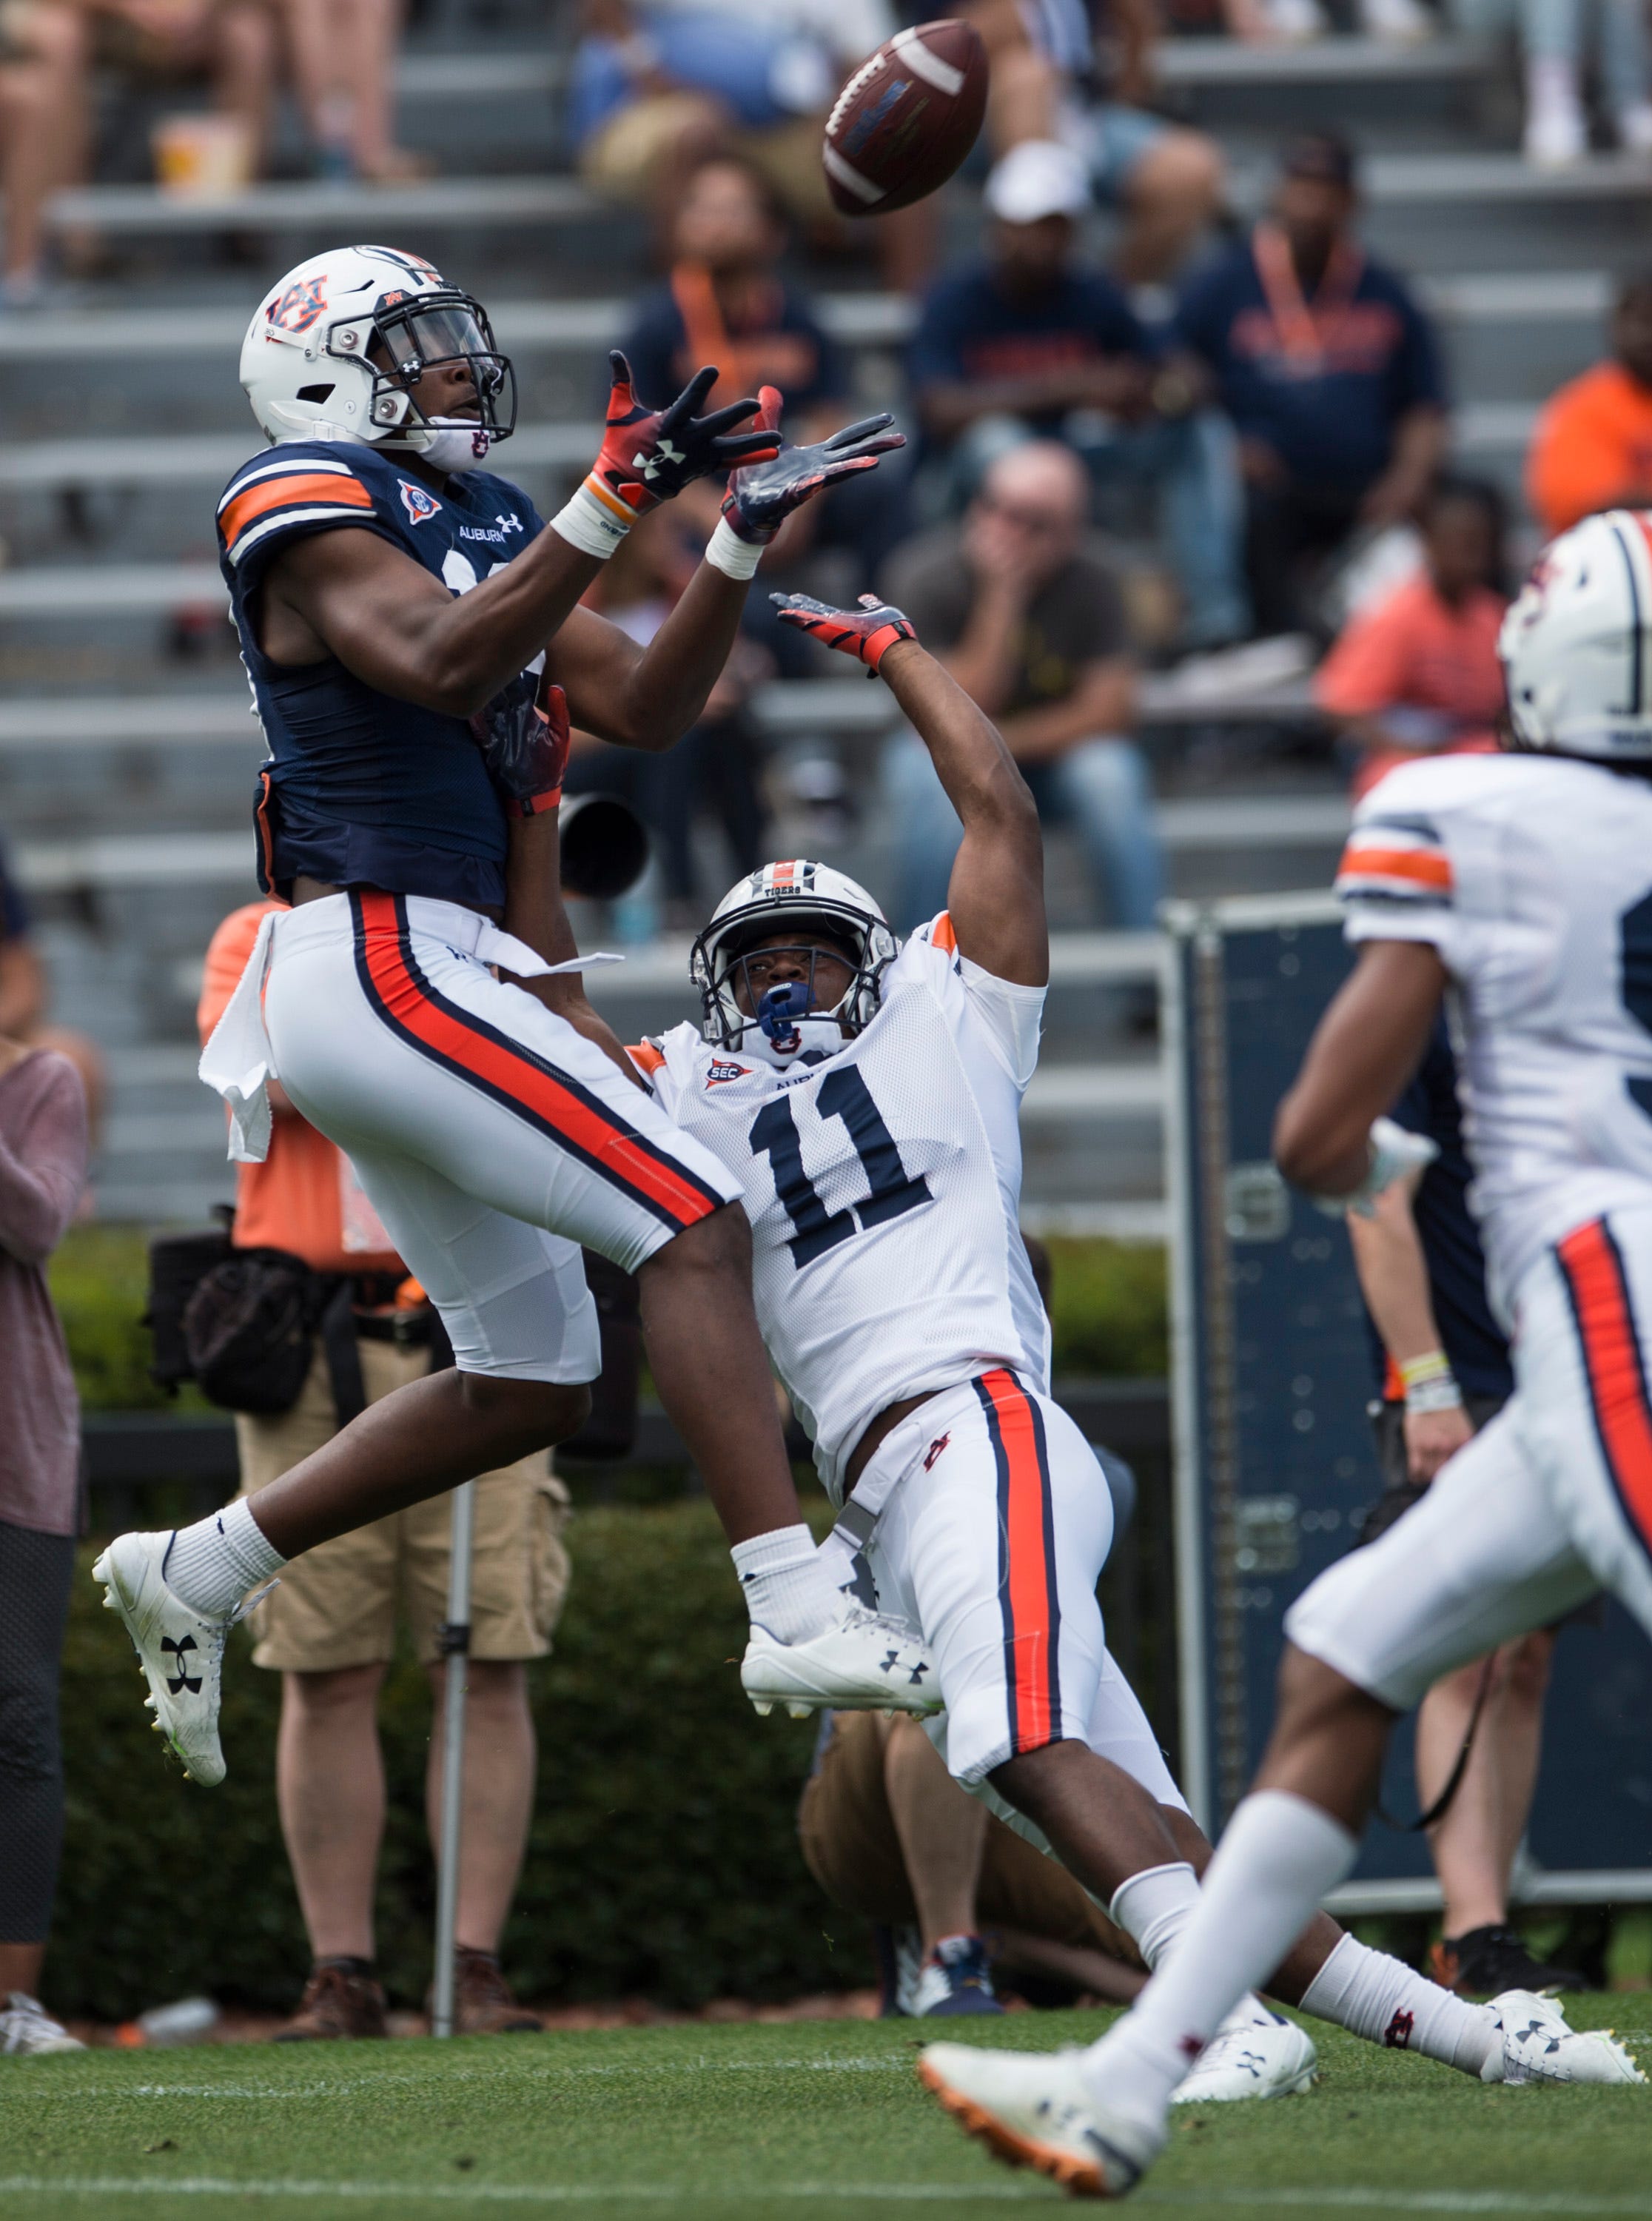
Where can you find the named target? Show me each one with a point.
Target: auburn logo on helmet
(300, 305)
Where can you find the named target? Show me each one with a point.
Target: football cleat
(953, 1979)
(29, 2031)
(180, 1650)
(1270, 2058)
(862, 1662)
(1539, 2047)
(1031, 2109)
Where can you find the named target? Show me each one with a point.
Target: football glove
(869, 632)
(762, 495)
(1394, 1153)
(524, 744)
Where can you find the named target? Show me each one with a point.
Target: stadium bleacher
(126, 753)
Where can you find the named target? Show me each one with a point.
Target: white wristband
(590, 522)
(735, 558)
(1439, 1393)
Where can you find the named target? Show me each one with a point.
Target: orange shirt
(1593, 447)
(304, 1197)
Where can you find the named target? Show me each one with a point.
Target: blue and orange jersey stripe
(262, 499)
(1592, 1266)
(526, 1084)
(1028, 1595)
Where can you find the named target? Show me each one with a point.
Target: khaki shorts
(850, 1848)
(336, 1605)
(625, 157)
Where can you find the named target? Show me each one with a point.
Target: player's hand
(762, 495)
(649, 455)
(869, 632)
(525, 746)
(1394, 1153)
(1431, 1437)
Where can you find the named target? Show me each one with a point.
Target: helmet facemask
(785, 1023)
(422, 332)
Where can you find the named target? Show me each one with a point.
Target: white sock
(1153, 1907)
(788, 1588)
(212, 1564)
(1278, 1858)
(1376, 1997)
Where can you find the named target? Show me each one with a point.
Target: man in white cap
(1030, 342)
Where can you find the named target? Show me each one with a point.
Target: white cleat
(180, 1650)
(29, 2031)
(1271, 2058)
(864, 1662)
(1031, 2109)
(1539, 2047)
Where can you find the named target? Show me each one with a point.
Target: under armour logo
(916, 1675)
(649, 463)
(184, 1679)
(507, 523)
(935, 1451)
(1397, 2035)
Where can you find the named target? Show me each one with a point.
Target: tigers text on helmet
(1576, 646)
(308, 366)
(782, 1026)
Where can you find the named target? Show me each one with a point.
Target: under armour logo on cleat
(890, 1662)
(184, 1679)
(916, 1675)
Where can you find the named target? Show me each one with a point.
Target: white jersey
(1532, 877)
(883, 1188)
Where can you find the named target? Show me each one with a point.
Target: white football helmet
(305, 366)
(783, 1025)
(1576, 646)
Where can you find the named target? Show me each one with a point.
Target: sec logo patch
(418, 504)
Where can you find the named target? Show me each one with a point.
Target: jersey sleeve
(1420, 864)
(280, 498)
(1009, 1017)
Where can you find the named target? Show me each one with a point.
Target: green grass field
(705, 2121)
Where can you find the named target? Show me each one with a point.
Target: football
(907, 118)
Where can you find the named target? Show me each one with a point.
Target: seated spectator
(1026, 341)
(1418, 673)
(714, 770)
(659, 84)
(47, 50)
(328, 1626)
(343, 57)
(888, 1834)
(1293, 23)
(1553, 37)
(1592, 447)
(42, 1168)
(1328, 370)
(1028, 619)
(726, 301)
(1048, 82)
(24, 999)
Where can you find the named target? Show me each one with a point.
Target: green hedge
(664, 1860)
(1110, 1313)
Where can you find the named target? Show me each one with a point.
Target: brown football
(907, 118)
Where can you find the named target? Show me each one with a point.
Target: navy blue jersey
(360, 789)
(1478, 1351)
(1329, 412)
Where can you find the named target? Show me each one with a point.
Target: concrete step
(373, 212)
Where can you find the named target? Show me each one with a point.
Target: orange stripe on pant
(1027, 1591)
(556, 1103)
(1595, 1281)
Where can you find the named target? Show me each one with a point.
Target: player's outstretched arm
(995, 896)
(648, 697)
(1364, 1051)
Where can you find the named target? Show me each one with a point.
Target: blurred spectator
(42, 1167)
(24, 997)
(1050, 80)
(1292, 22)
(888, 1833)
(329, 1626)
(1418, 674)
(1592, 447)
(1028, 619)
(726, 302)
(1553, 35)
(659, 84)
(1329, 371)
(714, 770)
(48, 49)
(1027, 340)
(343, 55)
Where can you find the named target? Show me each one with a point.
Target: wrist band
(593, 521)
(533, 805)
(1442, 1393)
(1432, 1365)
(735, 558)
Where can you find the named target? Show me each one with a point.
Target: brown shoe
(482, 2002)
(342, 2000)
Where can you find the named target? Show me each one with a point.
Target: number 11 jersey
(883, 1188)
